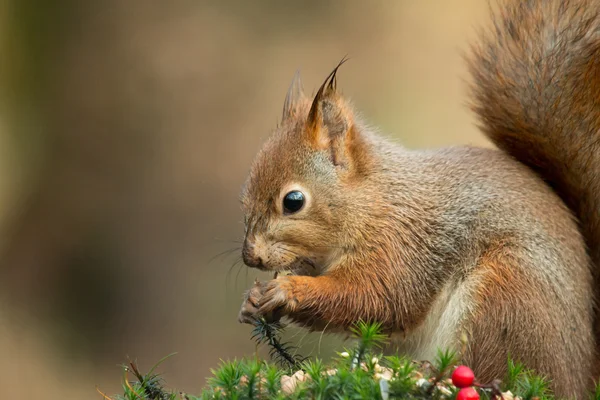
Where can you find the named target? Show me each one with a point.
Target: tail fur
(536, 90)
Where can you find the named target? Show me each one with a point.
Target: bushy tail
(536, 90)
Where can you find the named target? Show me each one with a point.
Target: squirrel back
(536, 90)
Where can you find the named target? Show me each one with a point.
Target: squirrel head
(299, 194)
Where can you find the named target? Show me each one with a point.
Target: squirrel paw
(249, 311)
(278, 297)
(270, 300)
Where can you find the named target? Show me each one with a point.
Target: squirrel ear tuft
(327, 89)
(294, 97)
(329, 120)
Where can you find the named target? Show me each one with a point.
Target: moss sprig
(283, 353)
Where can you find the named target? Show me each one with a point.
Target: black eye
(293, 202)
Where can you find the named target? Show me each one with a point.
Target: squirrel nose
(249, 255)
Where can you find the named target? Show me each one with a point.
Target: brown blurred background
(126, 131)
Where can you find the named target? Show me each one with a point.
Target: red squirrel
(501, 245)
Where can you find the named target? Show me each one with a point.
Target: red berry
(463, 377)
(467, 394)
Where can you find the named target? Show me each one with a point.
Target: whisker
(228, 240)
(289, 251)
(239, 264)
(300, 342)
(228, 275)
(298, 331)
(224, 253)
(321, 337)
(246, 278)
(311, 353)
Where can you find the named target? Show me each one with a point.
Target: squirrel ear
(294, 97)
(329, 120)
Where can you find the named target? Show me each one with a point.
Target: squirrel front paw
(249, 311)
(278, 297)
(270, 300)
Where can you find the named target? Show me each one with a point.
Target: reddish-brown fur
(434, 244)
(537, 92)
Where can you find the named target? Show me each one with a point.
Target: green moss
(359, 373)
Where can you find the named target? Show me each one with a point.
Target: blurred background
(126, 132)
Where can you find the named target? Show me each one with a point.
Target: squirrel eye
(293, 202)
